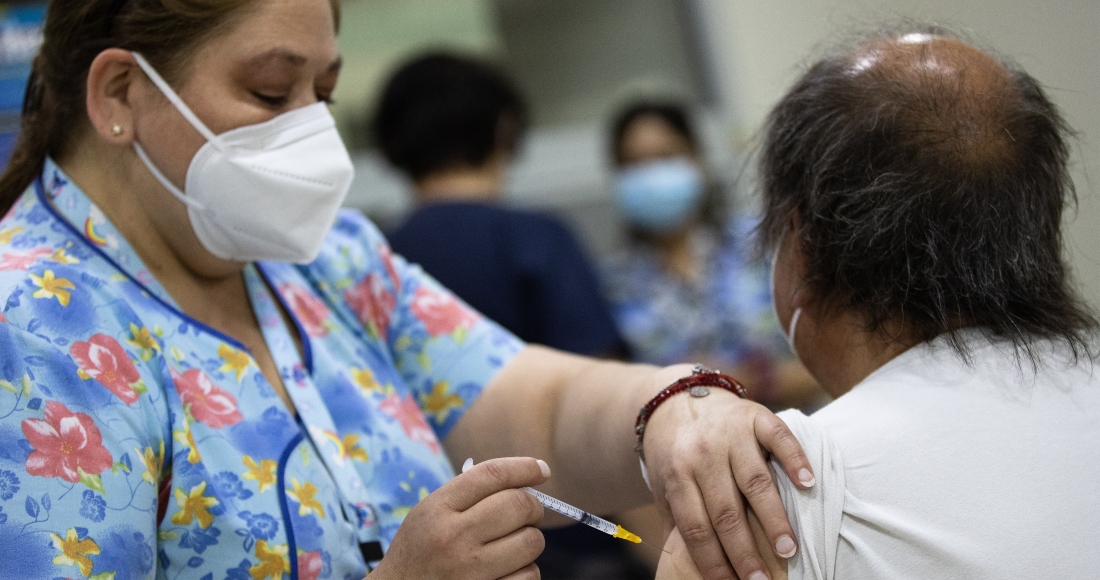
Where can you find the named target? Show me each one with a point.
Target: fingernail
(545, 468)
(466, 466)
(806, 478)
(758, 576)
(785, 546)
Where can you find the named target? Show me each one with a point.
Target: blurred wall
(576, 60)
(759, 44)
(375, 35)
(733, 57)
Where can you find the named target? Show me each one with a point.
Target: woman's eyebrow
(282, 54)
(290, 57)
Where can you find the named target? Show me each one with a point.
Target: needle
(656, 548)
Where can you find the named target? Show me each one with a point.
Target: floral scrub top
(136, 442)
(724, 319)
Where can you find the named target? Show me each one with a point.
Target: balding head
(927, 180)
(950, 95)
(920, 55)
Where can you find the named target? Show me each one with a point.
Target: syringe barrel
(572, 512)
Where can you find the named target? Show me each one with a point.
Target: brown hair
(166, 32)
(675, 116)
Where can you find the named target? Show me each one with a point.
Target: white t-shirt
(931, 468)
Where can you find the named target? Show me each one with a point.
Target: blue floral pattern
(93, 506)
(9, 484)
(136, 442)
(723, 319)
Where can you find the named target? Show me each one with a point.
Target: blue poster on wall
(20, 37)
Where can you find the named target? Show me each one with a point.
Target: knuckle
(532, 541)
(758, 483)
(675, 482)
(537, 511)
(517, 501)
(718, 572)
(681, 468)
(778, 432)
(497, 472)
(434, 503)
(672, 488)
(523, 504)
(729, 520)
(529, 572)
(747, 561)
(697, 534)
(701, 447)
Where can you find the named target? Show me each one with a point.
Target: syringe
(575, 513)
(579, 515)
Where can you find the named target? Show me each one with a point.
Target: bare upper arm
(516, 412)
(678, 565)
(512, 415)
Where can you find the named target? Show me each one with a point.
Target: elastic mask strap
(792, 328)
(177, 101)
(171, 187)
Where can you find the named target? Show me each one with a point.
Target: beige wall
(576, 60)
(758, 45)
(376, 35)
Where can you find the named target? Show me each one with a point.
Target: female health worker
(208, 371)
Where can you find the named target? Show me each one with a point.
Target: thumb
(495, 475)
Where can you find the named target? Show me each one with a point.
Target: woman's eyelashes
(271, 100)
(278, 101)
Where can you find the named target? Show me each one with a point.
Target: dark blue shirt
(523, 270)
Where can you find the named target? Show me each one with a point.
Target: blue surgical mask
(660, 196)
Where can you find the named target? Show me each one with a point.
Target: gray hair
(927, 199)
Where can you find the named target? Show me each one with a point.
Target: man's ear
(113, 81)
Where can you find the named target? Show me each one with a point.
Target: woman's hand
(478, 526)
(676, 562)
(704, 457)
(702, 453)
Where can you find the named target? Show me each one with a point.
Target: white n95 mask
(262, 192)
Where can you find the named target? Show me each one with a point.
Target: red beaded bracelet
(696, 384)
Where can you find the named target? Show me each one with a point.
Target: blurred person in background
(688, 287)
(452, 125)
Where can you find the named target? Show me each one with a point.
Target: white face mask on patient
(789, 335)
(262, 192)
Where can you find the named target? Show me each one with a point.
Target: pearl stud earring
(116, 130)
